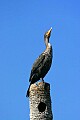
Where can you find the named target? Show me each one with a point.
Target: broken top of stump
(39, 88)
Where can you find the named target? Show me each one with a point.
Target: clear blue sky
(22, 26)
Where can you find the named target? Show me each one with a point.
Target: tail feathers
(27, 94)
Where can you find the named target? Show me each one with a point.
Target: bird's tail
(27, 94)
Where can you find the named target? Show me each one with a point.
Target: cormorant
(43, 63)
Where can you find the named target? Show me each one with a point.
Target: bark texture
(40, 102)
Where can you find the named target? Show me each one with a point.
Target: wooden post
(40, 102)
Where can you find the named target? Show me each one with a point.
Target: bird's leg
(42, 80)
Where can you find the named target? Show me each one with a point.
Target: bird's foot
(36, 84)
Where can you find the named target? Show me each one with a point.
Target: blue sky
(22, 27)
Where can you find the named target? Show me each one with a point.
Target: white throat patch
(49, 45)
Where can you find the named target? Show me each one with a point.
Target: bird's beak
(49, 32)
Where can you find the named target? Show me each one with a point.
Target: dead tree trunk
(40, 102)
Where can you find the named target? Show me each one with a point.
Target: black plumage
(43, 63)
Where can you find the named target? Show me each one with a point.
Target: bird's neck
(48, 49)
(46, 41)
(48, 46)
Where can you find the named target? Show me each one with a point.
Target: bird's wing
(37, 64)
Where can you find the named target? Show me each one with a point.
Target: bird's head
(48, 34)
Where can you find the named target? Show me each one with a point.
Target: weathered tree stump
(40, 101)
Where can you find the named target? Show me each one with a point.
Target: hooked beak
(49, 32)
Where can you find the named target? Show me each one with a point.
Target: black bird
(43, 63)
